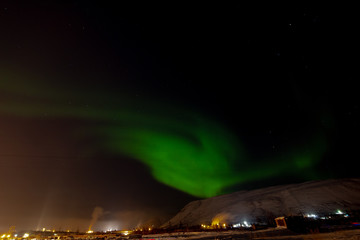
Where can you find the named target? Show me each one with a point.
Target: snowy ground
(339, 235)
(258, 235)
(205, 235)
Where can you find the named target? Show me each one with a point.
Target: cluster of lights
(338, 212)
(142, 229)
(48, 230)
(311, 216)
(205, 226)
(217, 225)
(243, 224)
(224, 225)
(9, 236)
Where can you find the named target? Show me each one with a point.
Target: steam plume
(97, 213)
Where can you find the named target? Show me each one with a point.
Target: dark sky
(137, 109)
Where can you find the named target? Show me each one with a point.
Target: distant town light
(237, 225)
(26, 235)
(339, 212)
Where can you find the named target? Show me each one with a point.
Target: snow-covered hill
(314, 197)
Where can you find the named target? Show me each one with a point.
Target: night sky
(134, 110)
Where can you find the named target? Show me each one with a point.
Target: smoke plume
(97, 213)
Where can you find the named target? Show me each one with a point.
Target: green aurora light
(182, 149)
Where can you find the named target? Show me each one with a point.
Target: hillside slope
(314, 197)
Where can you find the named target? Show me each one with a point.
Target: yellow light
(224, 225)
(8, 236)
(44, 229)
(149, 229)
(3, 236)
(26, 235)
(90, 231)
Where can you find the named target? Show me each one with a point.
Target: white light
(15, 235)
(311, 215)
(339, 212)
(246, 224)
(237, 225)
(26, 235)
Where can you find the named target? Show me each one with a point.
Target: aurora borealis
(173, 147)
(137, 110)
